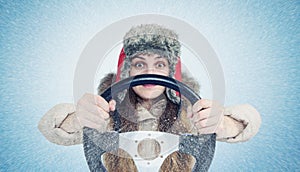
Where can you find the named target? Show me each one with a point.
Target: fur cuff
(249, 116)
(49, 126)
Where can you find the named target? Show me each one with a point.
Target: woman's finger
(94, 124)
(207, 130)
(201, 105)
(207, 122)
(93, 109)
(201, 115)
(112, 105)
(94, 100)
(84, 115)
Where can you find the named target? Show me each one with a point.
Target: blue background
(257, 44)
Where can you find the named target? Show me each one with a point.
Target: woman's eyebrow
(142, 58)
(158, 57)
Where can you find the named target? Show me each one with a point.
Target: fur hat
(151, 39)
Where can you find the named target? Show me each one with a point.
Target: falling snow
(257, 43)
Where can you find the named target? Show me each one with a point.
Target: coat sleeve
(50, 124)
(250, 118)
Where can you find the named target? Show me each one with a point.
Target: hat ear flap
(177, 74)
(120, 64)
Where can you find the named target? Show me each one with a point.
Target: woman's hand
(207, 116)
(93, 111)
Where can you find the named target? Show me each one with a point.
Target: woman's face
(149, 64)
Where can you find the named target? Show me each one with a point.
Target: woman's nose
(150, 71)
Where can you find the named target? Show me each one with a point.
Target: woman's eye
(139, 65)
(160, 65)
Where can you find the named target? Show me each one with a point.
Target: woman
(149, 49)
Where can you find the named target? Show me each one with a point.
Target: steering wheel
(96, 143)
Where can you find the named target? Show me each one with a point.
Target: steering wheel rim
(203, 156)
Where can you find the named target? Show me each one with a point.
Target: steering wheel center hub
(149, 149)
